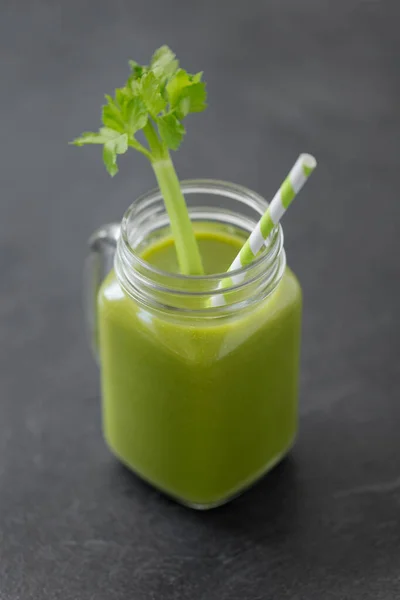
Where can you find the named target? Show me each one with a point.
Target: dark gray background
(284, 76)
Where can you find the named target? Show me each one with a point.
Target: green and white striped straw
(283, 198)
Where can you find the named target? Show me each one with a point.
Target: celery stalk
(187, 250)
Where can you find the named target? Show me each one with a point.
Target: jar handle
(99, 262)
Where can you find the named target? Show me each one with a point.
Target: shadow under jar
(199, 400)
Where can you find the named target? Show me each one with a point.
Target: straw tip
(309, 162)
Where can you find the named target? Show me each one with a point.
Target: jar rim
(157, 288)
(212, 186)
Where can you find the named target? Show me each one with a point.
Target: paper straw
(283, 198)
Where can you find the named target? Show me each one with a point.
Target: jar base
(203, 506)
(243, 489)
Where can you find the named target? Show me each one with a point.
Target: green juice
(200, 408)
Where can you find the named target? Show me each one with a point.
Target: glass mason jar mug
(199, 397)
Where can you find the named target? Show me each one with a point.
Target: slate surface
(284, 76)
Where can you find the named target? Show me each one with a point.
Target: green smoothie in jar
(200, 408)
(197, 326)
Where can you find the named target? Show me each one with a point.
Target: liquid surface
(218, 250)
(198, 408)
